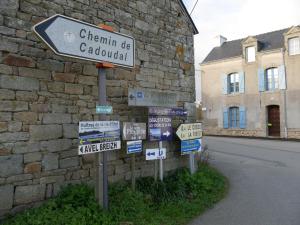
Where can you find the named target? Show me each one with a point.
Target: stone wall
(44, 96)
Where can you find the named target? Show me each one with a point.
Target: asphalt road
(264, 180)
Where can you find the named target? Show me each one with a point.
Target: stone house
(43, 96)
(251, 86)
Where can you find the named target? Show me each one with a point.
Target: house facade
(251, 86)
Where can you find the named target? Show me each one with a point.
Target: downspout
(284, 97)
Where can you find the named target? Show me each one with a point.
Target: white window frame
(250, 54)
(234, 79)
(294, 45)
(272, 79)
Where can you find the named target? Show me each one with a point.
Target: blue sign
(188, 146)
(161, 111)
(134, 146)
(104, 109)
(160, 128)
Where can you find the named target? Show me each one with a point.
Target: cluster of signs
(99, 136)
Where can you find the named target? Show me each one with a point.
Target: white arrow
(73, 38)
(167, 133)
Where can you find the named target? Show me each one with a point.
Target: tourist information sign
(134, 146)
(156, 153)
(162, 111)
(160, 128)
(104, 109)
(146, 97)
(188, 131)
(134, 131)
(98, 136)
(76, 39)
(188, 146)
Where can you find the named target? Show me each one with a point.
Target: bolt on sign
(76, 39)
(188, 146)
(160, 128)
(188, 131)
(156, 153)
(98, 136)
(146, 97)
(134, 131)
(162, 111)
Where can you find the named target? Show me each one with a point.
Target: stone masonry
(43, 96)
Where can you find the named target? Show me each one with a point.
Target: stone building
(43, 96)
(251, 86)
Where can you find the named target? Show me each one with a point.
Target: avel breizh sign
(73, 38)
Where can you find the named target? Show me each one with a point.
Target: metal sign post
(161, 169)
(101, 184)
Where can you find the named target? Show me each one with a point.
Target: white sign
(155, 153)
(98, 147)
(87, 126)
(189, 131)
(76, 39)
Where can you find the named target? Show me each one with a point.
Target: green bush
(175, 201)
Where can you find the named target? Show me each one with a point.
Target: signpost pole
(102, 184)
(133, 167)
(155, 170)
(161, 172)
(192, 162)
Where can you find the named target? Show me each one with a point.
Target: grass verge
(175, 201)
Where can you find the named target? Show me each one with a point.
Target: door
(273, 121)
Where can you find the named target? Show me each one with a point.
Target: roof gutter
(188, 16)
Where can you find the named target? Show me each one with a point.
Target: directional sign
(98, 147)
(76, 39)
(134, 146)
(91, 132)
(104, 109)
(155, 153)
(160, 128)
(161, 111)
(189, 131)
(134, 131)
(188, 146)
(146, 97)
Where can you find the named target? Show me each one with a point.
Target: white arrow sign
(155, 153)
(73, 38)
(189, 131)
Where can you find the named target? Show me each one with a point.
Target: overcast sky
(236, 19)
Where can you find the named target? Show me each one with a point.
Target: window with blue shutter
(243, 122)
(225, 84)
(242, 82)
(261, 80)
(282, 77)
(225, 118)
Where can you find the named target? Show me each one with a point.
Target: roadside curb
(254, 137)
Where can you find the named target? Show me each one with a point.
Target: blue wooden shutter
(243, 122)
(225, 84)
(282, 77)
(225, 118)
(261, 80)
(242, 82)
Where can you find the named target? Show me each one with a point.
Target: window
(272, 79)
(250, 54)
(233, 82)
(234, 117)
(294, 46)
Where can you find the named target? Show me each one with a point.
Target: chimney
(219, 40)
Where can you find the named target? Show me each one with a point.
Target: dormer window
(250, 54)
(294, 46)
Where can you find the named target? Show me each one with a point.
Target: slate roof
(188, 16)
(267, 41)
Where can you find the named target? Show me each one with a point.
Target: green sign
(104, 109)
